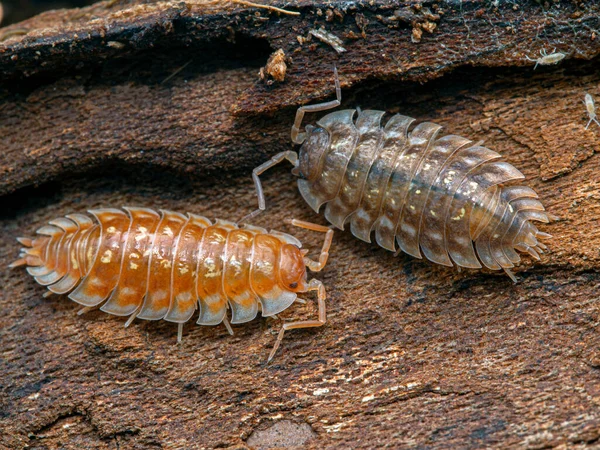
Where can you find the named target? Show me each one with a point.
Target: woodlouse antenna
(314, 285)
(291, 156)
(315, 266)
(299, 138)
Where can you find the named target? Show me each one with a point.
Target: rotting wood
(377, 36)
(412, 354)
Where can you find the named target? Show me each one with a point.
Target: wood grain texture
(413, 355)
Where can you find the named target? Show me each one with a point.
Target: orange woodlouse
(433, 196)
(151, 266)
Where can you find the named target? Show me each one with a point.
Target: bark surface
(160, 104)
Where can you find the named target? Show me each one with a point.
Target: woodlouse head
(292, 270)
(312, 151)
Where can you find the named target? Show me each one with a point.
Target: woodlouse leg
(179, 332)
(324, 255)
(510, 274)
(290, 156)
(133, 316)
(314, 285)
(297, 137)
(86, 309)
(537, 61)
(590, 121)
(228, 325)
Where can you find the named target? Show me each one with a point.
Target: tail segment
(510, 228)
(31, 253)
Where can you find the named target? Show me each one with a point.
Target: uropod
(445, 198)
(136, 262)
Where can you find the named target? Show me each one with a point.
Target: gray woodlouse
(151, 266)
(433, 196)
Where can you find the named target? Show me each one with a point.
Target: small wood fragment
(275, 69)
(328, 38)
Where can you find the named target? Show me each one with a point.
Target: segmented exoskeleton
(152, 266)
(434, 196)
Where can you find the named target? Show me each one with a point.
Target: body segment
(442, 197)
(139, 263)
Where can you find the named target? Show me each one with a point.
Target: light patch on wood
(329, 38)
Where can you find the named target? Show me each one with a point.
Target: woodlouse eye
(293, 285)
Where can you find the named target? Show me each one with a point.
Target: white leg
(86, 309)
(297, 137)
(290, 156)
(511, 275)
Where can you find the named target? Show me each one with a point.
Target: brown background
(413, 354)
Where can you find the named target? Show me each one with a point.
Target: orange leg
(314, 285)
(297, 137)
(279, 157)
(324, 255)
